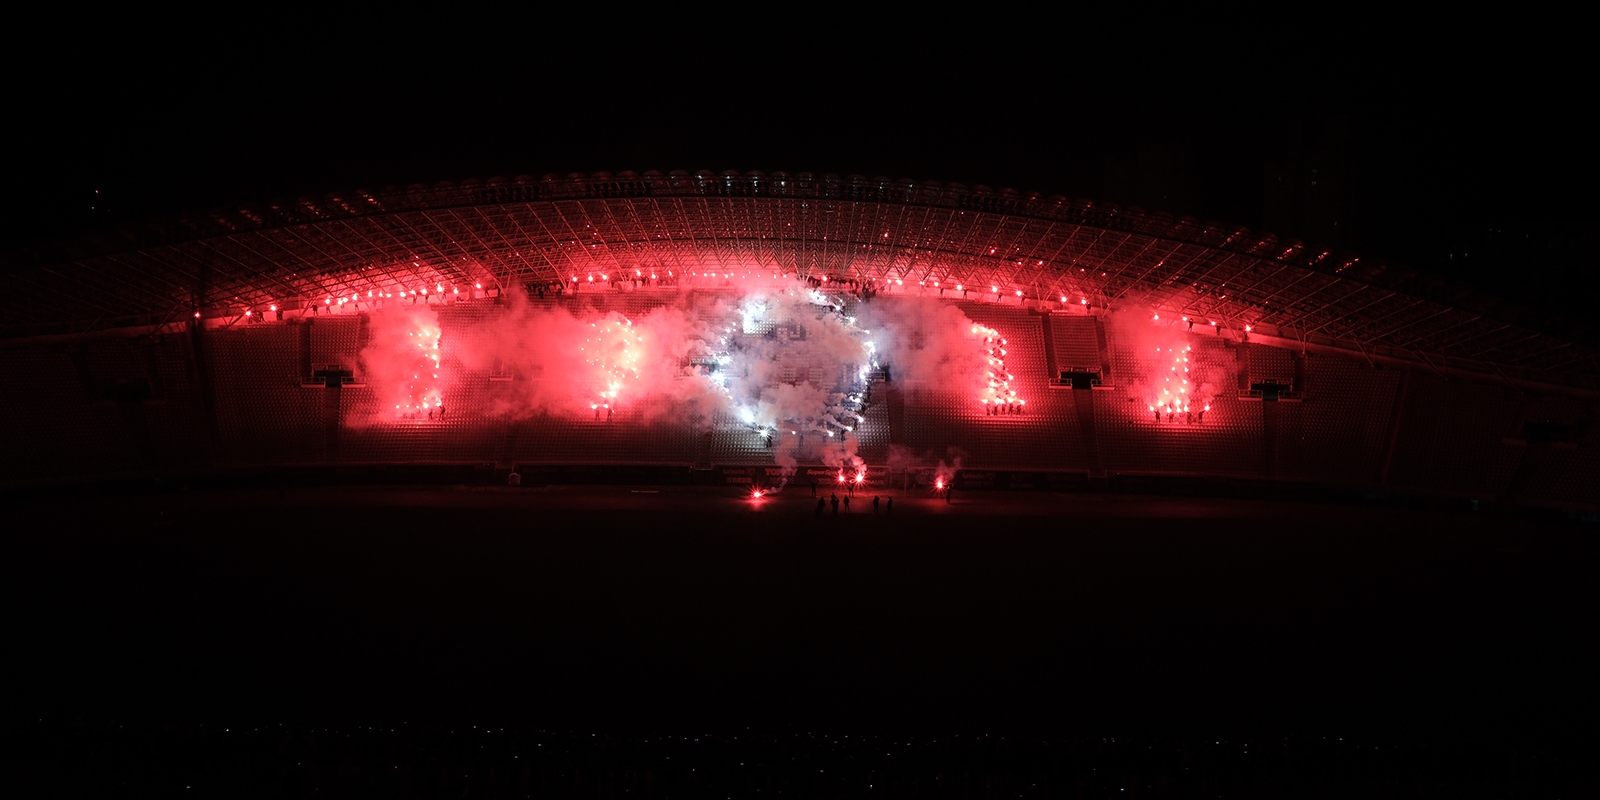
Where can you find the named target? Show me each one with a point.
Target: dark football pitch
(627, 610)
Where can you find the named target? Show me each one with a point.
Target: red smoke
(776, 357)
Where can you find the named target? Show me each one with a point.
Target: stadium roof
(507, 233)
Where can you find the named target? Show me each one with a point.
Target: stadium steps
(876, 432)
(1103, 346)
(333, 340)
(702, 451)
(1085, 406)
(1050, 357)
(330, 422)
(1046, 437)
(1075, 342)
(1227, 441)
(263, 414)
(895, 404)
(1270, 423)
(1563, 474)
(1449, 431)
(1269, 364)
(1340, 432)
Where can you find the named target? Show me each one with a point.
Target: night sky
(1456, 152)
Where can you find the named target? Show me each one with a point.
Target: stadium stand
(335, 340)
(1451, 436)
(1076, 343)
(264, 414)
(172, 414)
(1226, 441)
(1045, 437)
(61, 423)
(121, 405)
(1338, 435)
(1270, 365)
(1401, 390)
(1559, 474)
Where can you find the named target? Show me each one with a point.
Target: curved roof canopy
(508, 233)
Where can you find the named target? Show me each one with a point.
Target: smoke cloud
(1174, 382)
(403, 361)
(777, 357)
(928, 340)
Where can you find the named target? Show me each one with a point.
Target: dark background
(1456, 147)
(428, 641)
(693, 609)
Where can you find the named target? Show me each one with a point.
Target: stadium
(753, 330)
(333, 465)
(534, 486)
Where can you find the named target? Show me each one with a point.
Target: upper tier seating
(1270, 364)
(335, 341)
(1076, 341)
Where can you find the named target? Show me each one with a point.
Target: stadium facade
(236, 340)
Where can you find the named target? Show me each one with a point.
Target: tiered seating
(335, 340)
(467, 338)
(173, 415)
(1567, 471)
(732, 443)
(55, 426)
(1451, 435)
(107, 363)
(162, 428)
(1270, 364)
(1338, 434)
(370, 435)
(1025, 334)
(468, 312)
(110, 361)
(873, 431)
(1076, 342)
(263, 414)
(1567, 475)
(472, 432)
(629, 304)
(1046, 437)
(631, 437)
(1227, 442)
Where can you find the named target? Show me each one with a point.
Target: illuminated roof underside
(506, 234)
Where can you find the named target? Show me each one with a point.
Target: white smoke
(777, 358)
